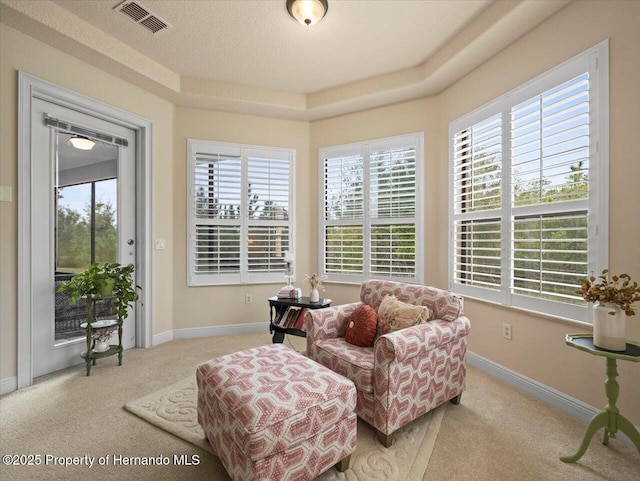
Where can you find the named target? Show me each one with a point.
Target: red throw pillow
(361, 329)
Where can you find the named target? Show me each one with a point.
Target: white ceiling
(250, 56)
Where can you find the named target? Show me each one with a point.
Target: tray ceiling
(250, 56)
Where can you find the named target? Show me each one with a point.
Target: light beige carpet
(495, 434)
(173, 409)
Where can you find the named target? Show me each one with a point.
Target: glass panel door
(86, 222)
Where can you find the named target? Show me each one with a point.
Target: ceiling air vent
(142, 16)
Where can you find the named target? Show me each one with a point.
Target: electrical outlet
(248, 299)
(506, 331)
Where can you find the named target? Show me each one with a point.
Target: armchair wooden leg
(456, 400)
(385, 439)
(343, 464)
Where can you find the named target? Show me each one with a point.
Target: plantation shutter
(267, 210)
(240, 219)
(477, 200)
(344, 213)
(371, 206)
(529, 190)
(215, 238)
(550, 179)
(393, 209)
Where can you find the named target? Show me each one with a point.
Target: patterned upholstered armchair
(407, 372)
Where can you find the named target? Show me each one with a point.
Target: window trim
(365, 148)
(594, 60)
(244, 276)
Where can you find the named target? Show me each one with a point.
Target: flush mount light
(81, 143)
(307, 12)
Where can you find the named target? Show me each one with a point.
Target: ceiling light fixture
(307, 12)
(81, 143)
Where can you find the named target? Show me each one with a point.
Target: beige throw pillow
(394, 315)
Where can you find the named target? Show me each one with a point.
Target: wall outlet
(506, 331)
(5, 193)
(248, 299)
(160, 245)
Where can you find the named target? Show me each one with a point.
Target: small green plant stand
(94, 324)
(610, 418)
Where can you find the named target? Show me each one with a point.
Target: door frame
(30, 87)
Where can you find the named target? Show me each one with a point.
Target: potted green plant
(613, 298)
(103, 280)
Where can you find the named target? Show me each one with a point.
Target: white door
(83, 211)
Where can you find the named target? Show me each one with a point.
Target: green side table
(610, 419)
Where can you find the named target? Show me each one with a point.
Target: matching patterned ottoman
(270, 413)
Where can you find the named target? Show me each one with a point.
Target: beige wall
(223, 305)
(20, 52)
(537, 349)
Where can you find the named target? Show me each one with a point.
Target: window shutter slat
(217, 185)
(268, 188)
(267, 245)
(550, 154)
(217, 250)
(478, 166)
(393, 183)
(343, 187)
(550, 255)
(393, 252)
(344, 250)
(477, 253)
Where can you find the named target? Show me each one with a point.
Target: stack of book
(292, 318)
(289, 292)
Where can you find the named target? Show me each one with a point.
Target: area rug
(173, 409)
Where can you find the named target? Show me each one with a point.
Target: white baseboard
(8, 385)
(559, 400)
(162, 338)
(210, 331)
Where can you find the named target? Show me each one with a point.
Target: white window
(240, 212)
(529, 197)
(370, 210)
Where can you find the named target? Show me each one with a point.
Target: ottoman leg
(343, 464)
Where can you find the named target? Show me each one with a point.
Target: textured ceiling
(250, 56)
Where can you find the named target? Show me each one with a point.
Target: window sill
(541, 315)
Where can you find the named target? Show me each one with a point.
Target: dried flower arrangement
(618, 290)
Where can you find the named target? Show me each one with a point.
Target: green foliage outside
(73, 237)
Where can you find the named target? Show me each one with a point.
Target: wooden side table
(610, 418)
(278, 307)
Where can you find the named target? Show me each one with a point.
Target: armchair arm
(328, 323)
(414, 341)
(417, 369)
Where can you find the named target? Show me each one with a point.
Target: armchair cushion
(353, 362)
(361, 329)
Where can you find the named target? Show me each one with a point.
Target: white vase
(314, 295)
(609, 324)
(101, 344)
